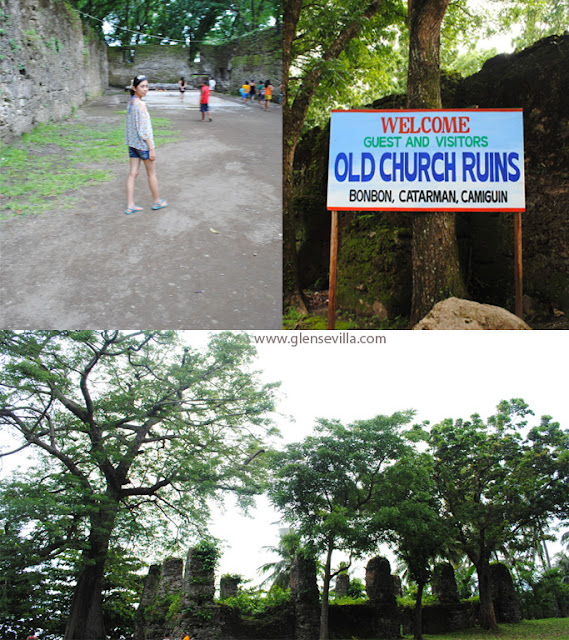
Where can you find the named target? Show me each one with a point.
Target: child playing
(204, 100)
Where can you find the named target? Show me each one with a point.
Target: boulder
(454, 313)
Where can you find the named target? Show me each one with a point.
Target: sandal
(134, 209)
(159, 205)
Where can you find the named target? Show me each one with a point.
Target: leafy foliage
(253, 603)
(134, 433)
(194, 22)
(369, 65)
(543, 592)
(324, 484)
(279, 575)
(535, 19)
(497, 477)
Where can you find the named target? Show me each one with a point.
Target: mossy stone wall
(374, 262)
(50, 63)
(252, 57)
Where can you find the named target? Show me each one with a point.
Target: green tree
(40, 552)
(414, 521)
(140, 432)
(328, 485)
(496, 477)
(537, 19)
(436, 268)
(320, 45)
(192, 22)
(280, 570)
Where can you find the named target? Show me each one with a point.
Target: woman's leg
(132, 174)
(152, 179)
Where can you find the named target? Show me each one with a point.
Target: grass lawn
(548, 629)
(43, 168)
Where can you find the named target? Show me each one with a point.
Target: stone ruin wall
(50, 63)
(178, 600)
(252, 57)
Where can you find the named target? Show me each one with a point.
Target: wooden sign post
(518, 270)
(333, 271)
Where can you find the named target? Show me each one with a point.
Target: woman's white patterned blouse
(138, 127)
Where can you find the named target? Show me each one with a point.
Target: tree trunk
(419, 612)
(291, 277)
(294, 116)
(291, 129)
(326, 594)
(436, 268)
(487, 613)
(85, 620)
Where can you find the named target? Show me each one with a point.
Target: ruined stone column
(506, 604)
(162, 587)
(444, 587)
(171, 577)
(342, 585)
(380, 588)
(149, 591)
(199, 616)
(444, 584)
(305, 598)
(229, 586)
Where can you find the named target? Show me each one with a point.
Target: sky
(440, 374)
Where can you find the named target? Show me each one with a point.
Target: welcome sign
(436, 160)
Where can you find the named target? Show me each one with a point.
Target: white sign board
(437, 160)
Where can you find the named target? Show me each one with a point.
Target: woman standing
(140, 141)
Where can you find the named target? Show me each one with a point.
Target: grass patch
(548, 629)
(345, 321)
(44, 167)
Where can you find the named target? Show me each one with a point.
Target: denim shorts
(204, 107)
(138, 153)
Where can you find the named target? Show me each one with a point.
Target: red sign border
(426, 209)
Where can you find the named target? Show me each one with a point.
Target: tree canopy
(328, 486)
(191, 22)
(135, 432)
(498, 477)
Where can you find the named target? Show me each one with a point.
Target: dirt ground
(92, 266)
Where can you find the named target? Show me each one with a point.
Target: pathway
(94, 267)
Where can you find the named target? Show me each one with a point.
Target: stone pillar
(305, 598)
(506, 604)
(199, 578)
(398, 587)
(380, 588)
(163, 584)
(199, 616)
(444, 584)
(342, 585)
(229, 586)
(171, 577)
(149, 592)
(444, 587)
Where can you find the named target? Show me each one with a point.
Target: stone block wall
(253, 57)
(50, 63)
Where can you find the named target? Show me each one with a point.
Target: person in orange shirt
(246, 91)
(268, 94)
(204, 100)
